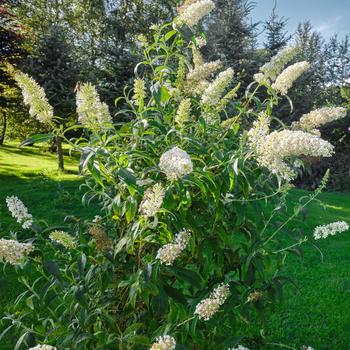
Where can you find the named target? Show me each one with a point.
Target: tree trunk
(59, 153)
(3, 132)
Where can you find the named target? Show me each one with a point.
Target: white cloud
(329, 27)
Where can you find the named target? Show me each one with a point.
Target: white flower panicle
(279, 145)
(63, 238)
(34, 96)
(92, 113)
(286, 79)
(197, 57)
(258, 133)
(152, 200)
(165, 342)
(330, 230)
(169, 252)
(319, 117)
(14, 252)
(202, 71)
(183, 7)
(209, 306)
(239, 347)
(232, 94)
(214, 91)
(211, 117)
(270, 70)
(184, 112)
(43, 347)
(175, 163)
(196, 89)
(19, 211)
(260, 78)
(192, 14)
(307, 348)
(139, 91)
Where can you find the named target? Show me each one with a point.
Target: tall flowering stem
(287, 78)
(169, 252)
(39, 108)
(14, 252)
(34, 96)
(330, 229)
(165, 342)
(270, 70)
(19, 211)
(92, 113)
(214, 91)
(192, 13)
(152, 200)
(210, 306)
(320, 117)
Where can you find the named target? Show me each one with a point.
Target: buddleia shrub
(193, 231)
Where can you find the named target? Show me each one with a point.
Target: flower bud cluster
(14, 252)
(92, 113)
(19, 211)
(330, 230)
(152, 200)
(175, 163)
(169, 252)
(165, 342)
(34, 96)
(209, 306)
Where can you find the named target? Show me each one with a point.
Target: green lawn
(315, 314)
(31, 174)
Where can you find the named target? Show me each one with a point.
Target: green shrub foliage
(192, 234)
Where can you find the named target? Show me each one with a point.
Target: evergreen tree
(277, 37)
(12, 52)
(231, 36)
(308, 89)
(337, 68)
(53, 67)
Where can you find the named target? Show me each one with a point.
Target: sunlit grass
(31, 174)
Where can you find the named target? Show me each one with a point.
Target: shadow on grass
(45, 198)
(30, 150)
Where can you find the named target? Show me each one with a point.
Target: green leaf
(130, 209)
(20, 340)
(37, 139)
(139, 339)
(160, 302)
(234, 341)
(169, 35)
(6, 330)
(127, 176)
(175, 294)
(29, 302)
(188, 276)
(133, 328)
(81, 298)
(52, 268)
(82, 263)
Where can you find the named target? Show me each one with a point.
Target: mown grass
(31, 174)
(315, 314)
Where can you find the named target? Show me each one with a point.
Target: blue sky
(327, 16)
